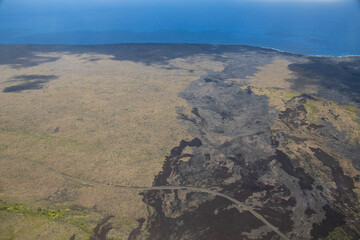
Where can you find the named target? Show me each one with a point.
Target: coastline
(187, 44)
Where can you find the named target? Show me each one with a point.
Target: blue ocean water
(315, 27)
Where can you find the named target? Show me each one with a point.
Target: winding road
(156, 188)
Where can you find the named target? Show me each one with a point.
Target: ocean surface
(314, 27)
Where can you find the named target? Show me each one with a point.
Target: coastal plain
(277, 132)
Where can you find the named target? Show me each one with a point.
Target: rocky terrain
(277, 132)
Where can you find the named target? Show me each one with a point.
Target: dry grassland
(105, 121)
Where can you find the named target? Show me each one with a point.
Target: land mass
(178, 141)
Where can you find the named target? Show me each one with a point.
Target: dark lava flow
(22, 56)
(137, 231)
(236, 152)
(102, 229)
(339, 80)
(28, 82)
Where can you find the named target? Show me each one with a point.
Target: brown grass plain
(105, 121)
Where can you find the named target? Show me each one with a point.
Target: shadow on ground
(29, 82)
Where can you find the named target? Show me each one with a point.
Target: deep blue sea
(315, 27)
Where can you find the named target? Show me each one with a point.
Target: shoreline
(186, 44)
